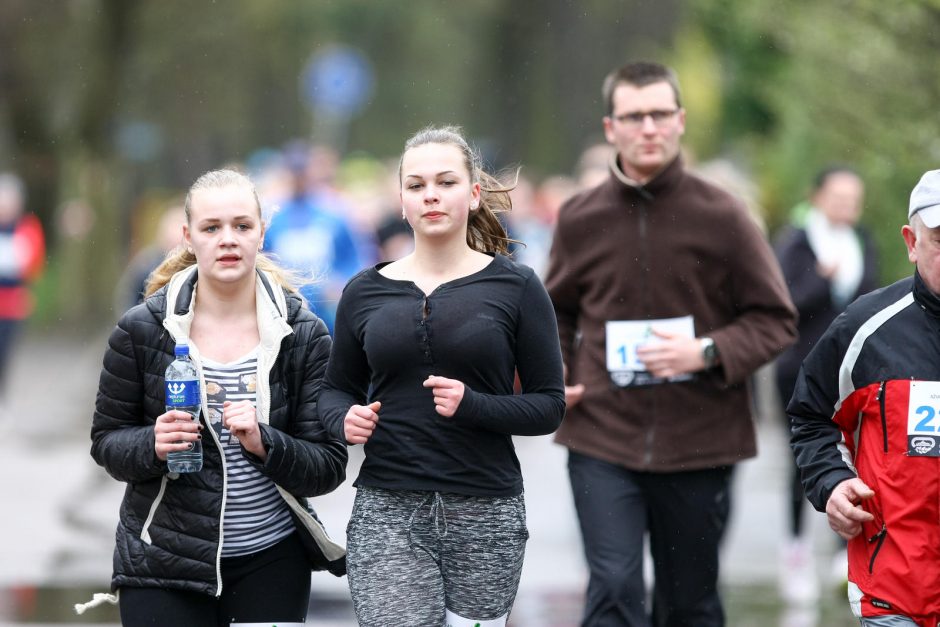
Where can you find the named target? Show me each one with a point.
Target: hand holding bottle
(183, 400)
(175, 431)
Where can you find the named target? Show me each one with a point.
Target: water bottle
(182, 394)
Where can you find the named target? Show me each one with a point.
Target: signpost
(336, 85)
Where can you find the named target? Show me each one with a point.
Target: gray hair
(917, 223)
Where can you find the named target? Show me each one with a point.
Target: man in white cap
(866, 431)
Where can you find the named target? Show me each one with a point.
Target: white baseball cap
(925, 199)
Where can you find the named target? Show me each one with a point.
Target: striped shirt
(256, 517)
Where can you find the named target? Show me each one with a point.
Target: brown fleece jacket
(672, 247)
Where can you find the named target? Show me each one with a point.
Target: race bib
(624, 337)
(923, 419)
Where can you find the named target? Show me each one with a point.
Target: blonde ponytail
(177, 259)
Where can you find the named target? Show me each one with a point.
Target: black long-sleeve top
(479, 329)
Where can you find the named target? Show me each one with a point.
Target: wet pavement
(56, 536)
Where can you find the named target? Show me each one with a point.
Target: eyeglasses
(660, 117)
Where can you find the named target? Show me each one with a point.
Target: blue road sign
(338, 80)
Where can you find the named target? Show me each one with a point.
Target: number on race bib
(928, 413)
(622, 351)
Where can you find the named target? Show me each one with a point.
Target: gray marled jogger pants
(412, 556)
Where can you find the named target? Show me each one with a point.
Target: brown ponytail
(485, 231)
(181, 257)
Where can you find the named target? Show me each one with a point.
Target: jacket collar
(927, 300)
(181, 294)
(666, 178)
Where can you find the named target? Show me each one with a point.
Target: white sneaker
(798, 582)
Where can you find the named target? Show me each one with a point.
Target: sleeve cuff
(467, 410)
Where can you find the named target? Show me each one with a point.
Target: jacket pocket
(145, 530)
(874, 532)
(878, 541)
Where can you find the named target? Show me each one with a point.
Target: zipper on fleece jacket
(643, 230)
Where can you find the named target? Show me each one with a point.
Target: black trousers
(685, 515)
(797, 499)
(269, 586)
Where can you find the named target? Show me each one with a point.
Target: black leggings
(270, 586)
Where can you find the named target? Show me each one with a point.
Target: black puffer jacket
(169, 531)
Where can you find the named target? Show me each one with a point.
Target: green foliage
(699, 69)
(808, 84)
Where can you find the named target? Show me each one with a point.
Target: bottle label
(182, 393)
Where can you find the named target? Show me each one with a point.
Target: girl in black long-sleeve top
(425, 354)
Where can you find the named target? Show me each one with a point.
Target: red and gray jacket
(852, 415)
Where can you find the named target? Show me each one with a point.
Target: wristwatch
(709, 352)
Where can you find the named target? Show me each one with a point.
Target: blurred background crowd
(108, 109)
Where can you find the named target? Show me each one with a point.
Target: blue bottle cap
(182, 349)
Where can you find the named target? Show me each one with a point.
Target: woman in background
(828, 261)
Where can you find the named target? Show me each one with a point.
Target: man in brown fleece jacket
(668, 297)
